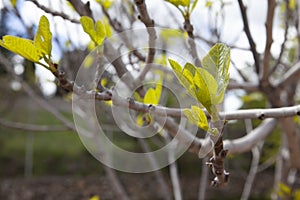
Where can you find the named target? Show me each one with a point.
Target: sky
(231, 29)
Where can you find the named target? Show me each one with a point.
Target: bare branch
(149, 23)
(256, 151)
(269, 35)
(249, 36)
(188, 27)
(53, 12)
(282, 48)
(247, 142)
(247, 86)
(81, 8)
(291, 76)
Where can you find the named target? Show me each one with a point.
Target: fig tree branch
(53, 12)
(249, 35)
(150, 24)
(269, 35)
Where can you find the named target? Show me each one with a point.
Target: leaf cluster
(33, 50)
(207, 84)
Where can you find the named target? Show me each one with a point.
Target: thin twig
(53, 12)
(149, 23)
(269, 41)
(249, 36)
(254, 163)
(282, 48)
(189, 28)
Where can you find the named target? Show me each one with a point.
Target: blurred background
(41, 157)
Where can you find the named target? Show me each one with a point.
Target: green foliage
(177, 3)
(21, 46)
(152, 95)
(43, 37)
(285, 192)
(207, 84)
(13, 2)
(97, 31)
(186, 7)
(105, 3)
(34, 50)
(197, 116)
(217, 62)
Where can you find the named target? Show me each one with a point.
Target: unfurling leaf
(177, 3)
(96, 31)
(189, 86)
(197, 116)
(32, 50)
(152, 96)
(21, 46)
(105, 3)
(217, 62)
(207, 84)
(43, 37)
(13, 2)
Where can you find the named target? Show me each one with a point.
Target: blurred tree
(265, 68)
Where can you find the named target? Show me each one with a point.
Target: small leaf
(177, 3)
(208, 3)
(43, 37)
(13, 3)
(217, 63)
(105, 3)
(95, 197)
(96, 32)
(283, 191)
(21, 46)
(206, 88)
(185, 82)
(194, 5)
(197, 116)
(150, 97)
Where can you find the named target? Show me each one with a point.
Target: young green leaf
(217, 62)
(43, 37)
(21, 46)
(197, 116)
(150, 97)
(177, 3)
(13, 2)
(194, 5)
(206, 88)
(96, 31)
(105, 3)
(189, 86)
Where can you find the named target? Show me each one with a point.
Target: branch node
(151, 107)
(130, 100)
(261, 116)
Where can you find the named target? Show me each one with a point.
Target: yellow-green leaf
(43, 37)
(13, 2)
(105, 3)
(150, 97)
(197, 116)
(182, 79)
(177, 3)
(206, 88)
(21, 46)
(96, 31)
(217, 62)
(194, 5)
(95, 197)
